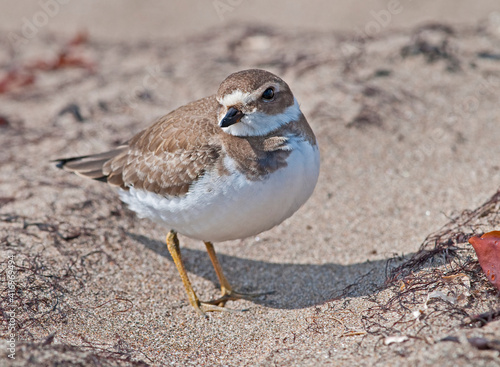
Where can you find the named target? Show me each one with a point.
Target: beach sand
(375, 268)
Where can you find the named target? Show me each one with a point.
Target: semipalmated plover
(225, 167)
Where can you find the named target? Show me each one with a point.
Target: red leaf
(15, 79)
(488, 253)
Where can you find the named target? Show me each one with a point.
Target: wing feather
(167, 158)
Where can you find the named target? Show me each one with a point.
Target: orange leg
(227, 292)
(200, 307)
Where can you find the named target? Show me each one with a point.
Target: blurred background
(152, 19)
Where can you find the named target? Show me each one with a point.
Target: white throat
(259, 123)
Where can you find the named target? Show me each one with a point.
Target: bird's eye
(268, 94)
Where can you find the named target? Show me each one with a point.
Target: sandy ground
(374, 270)
(136, 20)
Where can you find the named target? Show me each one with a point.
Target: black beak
(232, 116)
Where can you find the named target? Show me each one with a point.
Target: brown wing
(166, 158)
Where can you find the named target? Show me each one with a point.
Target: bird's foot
(230, 295)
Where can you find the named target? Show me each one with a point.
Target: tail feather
(90, 166)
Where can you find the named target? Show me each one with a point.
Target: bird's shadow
(292, 286)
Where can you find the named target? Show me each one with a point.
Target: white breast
(221, 208)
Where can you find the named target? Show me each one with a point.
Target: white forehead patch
(234, 98)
